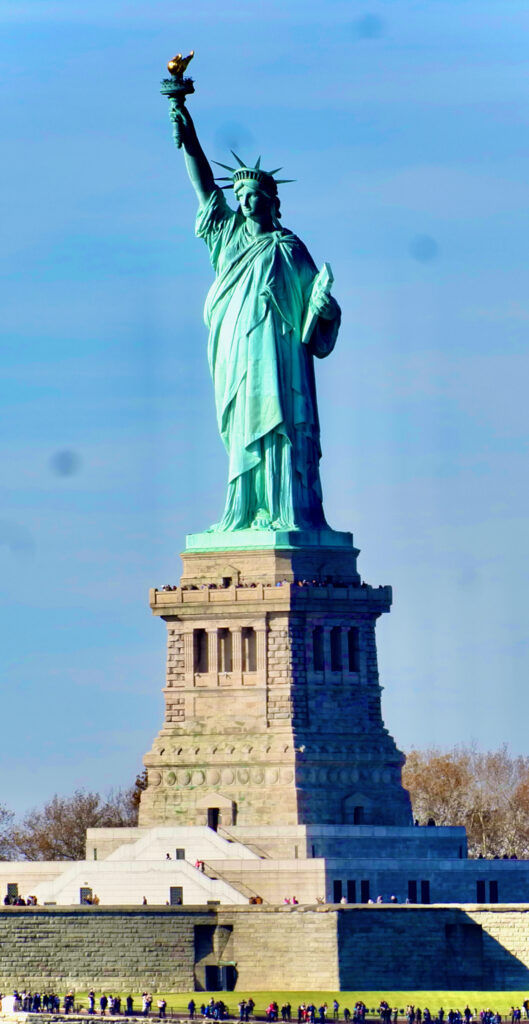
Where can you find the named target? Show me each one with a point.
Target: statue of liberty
(268, 313)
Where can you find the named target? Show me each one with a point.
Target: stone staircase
(212, 873)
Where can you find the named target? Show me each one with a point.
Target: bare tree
(57, 831)
(6, 833)
(487, 792)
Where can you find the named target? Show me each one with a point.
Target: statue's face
(254, 203)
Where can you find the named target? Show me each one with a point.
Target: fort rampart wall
(303, 948)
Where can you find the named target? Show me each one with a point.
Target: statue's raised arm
(198, 168)
(269, 313)
(176, 88)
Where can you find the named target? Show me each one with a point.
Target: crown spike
(284, 181)
(238, 159)
(257, 163)
(225, 166)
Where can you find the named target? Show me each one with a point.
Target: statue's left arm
(327, 326)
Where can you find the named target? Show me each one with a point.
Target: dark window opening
(336, 649)
(425, 892)
(249, 650)
(226, 581)
(317, 648)
(225, 651)
(204, 940)
(12, 889)
(364, 891)
(213, 981)
(213, 818)
(351, 890)
(358, 815)
(352, 649)
(176, 895)
(336, 890)
(481, 893)
(412, 891)
(493, 892)
(200, 650)
(85, 894)
(180, 854)
(228, 977)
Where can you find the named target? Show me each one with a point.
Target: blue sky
(405, 126)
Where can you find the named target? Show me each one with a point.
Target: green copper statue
(269, 313)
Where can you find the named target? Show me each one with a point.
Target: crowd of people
(325, 582)
(19, 901)
(310, 1013)
(217, 1010)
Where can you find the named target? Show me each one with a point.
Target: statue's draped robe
(262, 372)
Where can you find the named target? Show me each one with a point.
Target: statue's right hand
(182, 123)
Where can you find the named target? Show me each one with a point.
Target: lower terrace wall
(304, 948)
(434, 947)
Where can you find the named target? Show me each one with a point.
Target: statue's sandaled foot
(262, 521)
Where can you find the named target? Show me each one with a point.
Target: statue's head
(247, 180)
(257, 196)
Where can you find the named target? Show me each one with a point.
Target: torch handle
(175, 105)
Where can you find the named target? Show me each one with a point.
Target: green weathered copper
(245, 540)
(269, 313)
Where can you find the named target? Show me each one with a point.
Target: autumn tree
(6, 833)
(57, 831)
(487, 793)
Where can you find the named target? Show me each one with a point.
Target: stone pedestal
(272, 694)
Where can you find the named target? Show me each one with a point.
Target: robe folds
(262, 373)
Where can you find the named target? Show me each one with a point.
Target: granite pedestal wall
(261, 948)
(272, 695)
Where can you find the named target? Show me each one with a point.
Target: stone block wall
(302, 948)
(113, 948)
(296, 738)
(439, 947)
(285, 948)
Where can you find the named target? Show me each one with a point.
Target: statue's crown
(255, 173)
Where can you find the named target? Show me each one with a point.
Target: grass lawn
(500, 1002)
